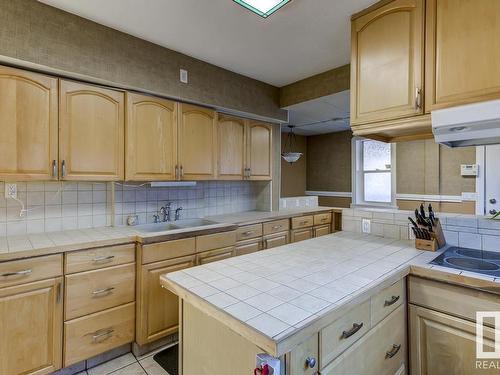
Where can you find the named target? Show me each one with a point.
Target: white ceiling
(327, 114)
(304, 38)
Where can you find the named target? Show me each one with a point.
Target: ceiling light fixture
(263, 8)
(290, 156)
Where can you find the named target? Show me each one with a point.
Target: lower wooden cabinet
(303, 360)
(297, 235)
(31, 328)
(248, 247)
(321, 230)
(215, 255)
(275, 240)
(157, 308)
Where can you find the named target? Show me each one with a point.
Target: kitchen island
(316, 305)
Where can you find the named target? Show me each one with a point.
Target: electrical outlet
(411, 235)
(183, 75)
(366, 226)
(11, 191)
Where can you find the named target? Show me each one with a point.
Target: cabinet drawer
(302, 222)
(92, 259)
(247, 247)
(97, 333)
(303, 360)
(215, 255)
(321, 230)
(215, 241)
(456, 300)
(275, 226)
(249, 231)
(168, 250)
(386, 301)
(298, 235)
(344, 332)
(93, 291)
(276, 240)
(320, 219)
(27, 270)
(380, 351)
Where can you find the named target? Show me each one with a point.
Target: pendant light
(288, 154)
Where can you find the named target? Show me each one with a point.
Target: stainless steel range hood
(468, 125)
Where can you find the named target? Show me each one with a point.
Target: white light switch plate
(366, 226)
(183, 76)
(11, 191)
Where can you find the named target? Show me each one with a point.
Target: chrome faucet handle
(178, 213)
(156, 218)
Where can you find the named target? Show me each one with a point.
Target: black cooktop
(485, 262)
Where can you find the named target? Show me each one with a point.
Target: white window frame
(358, 176)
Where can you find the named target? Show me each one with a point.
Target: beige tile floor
(128, 364)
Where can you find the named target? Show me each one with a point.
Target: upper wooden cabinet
(151, 138)
(259, 151)
(28, 125)
(462, 52)
(231, 147)
(197, 143)
(387, 62)
(91, 139)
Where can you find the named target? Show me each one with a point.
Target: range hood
(475, 124)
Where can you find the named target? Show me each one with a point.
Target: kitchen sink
(157, 227)
(485, 262)
(191, 223)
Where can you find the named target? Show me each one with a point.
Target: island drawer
(28, 270)
(381, 351)
(92, 259)
(276, 226)
(302, 222)
(92, 291)
(215, 241)
(344, 332)
(247, 247)
(214, 255)
(168, 250)
(97, 333)
(249, 231)
(320, 219)
(387, 300)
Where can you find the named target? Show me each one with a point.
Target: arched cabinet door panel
(231, 147)
(259, 151)
(91, 139)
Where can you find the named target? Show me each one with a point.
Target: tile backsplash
(54, 206)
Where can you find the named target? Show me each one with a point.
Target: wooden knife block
(437, 240)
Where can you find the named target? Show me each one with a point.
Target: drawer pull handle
(99, 292)
(249, 233)
(355, 328)
(391, 353)
(277, 227)
(17, 273)
(324, 219)
(103, 259)
(102, 335)
(310, 362)
(303, 222)
(392, 301)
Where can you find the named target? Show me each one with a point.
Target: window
(373, 173)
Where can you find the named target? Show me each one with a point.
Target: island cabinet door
(231, 147)
(150, 138)
(28, 126)
(158, 309)
(387, 62)
(462, 52)
(31, 328)
(197, 143)
(91, 138)
(443, 344)
(303, 360)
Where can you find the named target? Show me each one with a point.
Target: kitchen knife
(431, 215)
(422, 211)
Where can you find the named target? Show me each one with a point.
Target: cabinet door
(387, 62)
(303, 360)
(298, 235)
(231, 148)
(322, 230)
(158, 309)
(462, 52)
(31, 325)
(151, 139)
(197, 143)
(91, 142)
(259, 151)
(442, 344)
(28, 125)
(215, 255)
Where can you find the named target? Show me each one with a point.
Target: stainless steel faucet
(178, 213)
(165, 211)
(156, 218)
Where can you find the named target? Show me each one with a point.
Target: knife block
(437, 240)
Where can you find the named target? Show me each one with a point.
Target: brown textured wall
(334, 202)
(327, 83)
(451, 182)
(293, 176)
(329, 162)
(34, 33)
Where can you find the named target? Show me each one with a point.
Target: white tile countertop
(280, 292)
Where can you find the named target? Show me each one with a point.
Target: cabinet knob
(310, 362)
(493, 201)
